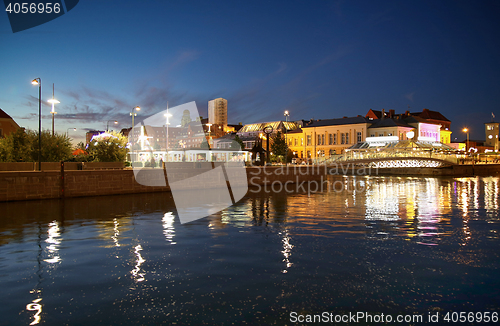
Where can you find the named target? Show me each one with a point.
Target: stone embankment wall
(28, 185)
(466, 170)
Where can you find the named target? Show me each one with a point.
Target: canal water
(378, 245)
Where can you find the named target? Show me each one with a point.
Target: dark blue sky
(317, 59)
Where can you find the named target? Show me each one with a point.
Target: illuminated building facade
(491, 131)
(217, 112)
(325, 138)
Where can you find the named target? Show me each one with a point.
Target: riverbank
(466, 170)
(110, 180)
(30, 185)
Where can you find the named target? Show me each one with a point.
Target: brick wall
(78, 183)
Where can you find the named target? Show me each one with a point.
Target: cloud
(409, 96)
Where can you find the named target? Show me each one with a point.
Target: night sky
(316, 59)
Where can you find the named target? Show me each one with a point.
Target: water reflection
(353, 241)
(287, 250)
(168, 227)
(35, 306)
(54, 241)
(137, 272)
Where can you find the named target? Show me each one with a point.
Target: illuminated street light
(38, 81)
(286, 114)
(167, 115)
(209, 134)
(467, 144)
(67, 131)
(134, 113)
(53, 101)
(107, 124)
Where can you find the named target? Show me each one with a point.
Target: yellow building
(325, 138)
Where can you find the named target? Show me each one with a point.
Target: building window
(389, 134)
(347, 138)
(295, 141)
(332, 152)
(308, 154)
(308, 140)
(342, 137)
(372, 135)
(334, 139)
(319, 140)
(301, 141)
(358, 136)
(330, 139)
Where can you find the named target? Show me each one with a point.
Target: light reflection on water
(382, 244)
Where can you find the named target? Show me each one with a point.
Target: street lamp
(134, 113)
(38, 81)
(67, 131)
(209, 134)
(167, 115)
(287, 114)
(107, 124)
(467, 144)
(53, 101)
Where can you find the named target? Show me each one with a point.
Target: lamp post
(67, 131)
(167, 122)
(107, 124)
(268, 131)
(467, 144)
(38, 81)
(134, 113)
(286, 114)
(53, 101)
(209, 134)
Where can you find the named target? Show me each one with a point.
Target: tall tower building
(217, 112)
(491, 130)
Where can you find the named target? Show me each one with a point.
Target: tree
(22, 146)
(16, 147)
(54, 148)
(237, 143)
(109, 147)
(279, 146)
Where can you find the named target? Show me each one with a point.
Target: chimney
(392, 113)
(407, 113)
(383, 114)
